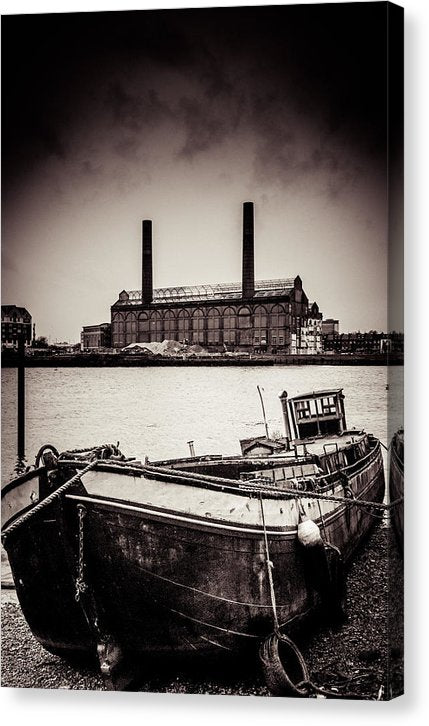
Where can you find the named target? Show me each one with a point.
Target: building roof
(219, 291)
(262, 441)
(11, 309)
(317, 394)
(96, 326)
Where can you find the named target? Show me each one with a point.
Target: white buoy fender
(308, 532)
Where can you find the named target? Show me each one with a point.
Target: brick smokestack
(147, 285)
(248, 280)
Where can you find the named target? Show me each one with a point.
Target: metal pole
(191, 448)
(21, 396)
(263, 412)
(288, 434)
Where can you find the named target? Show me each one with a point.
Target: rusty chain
(81, 585)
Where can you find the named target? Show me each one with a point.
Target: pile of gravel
(365, 655)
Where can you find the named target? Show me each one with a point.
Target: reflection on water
(156, 411)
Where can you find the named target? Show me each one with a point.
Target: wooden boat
(396, 486)
(210, 553)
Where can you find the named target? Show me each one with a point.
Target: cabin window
(303, 409)
(328, 406)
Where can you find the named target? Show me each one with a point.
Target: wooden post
(21, 396)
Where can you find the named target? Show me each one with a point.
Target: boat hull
(175, 580)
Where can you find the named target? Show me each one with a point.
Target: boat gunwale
(201, 521)
(21, 479)
(231, 486)
(186, 478)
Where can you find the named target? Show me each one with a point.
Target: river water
(155, 411)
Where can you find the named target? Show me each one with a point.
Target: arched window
(183, 326)
(198, 326)
(143, 332)
(156, 327)
(260, 326)
(213, 326)
(170, 329)
(278, 326)
(118, 330)
(229, 326)
(244, 326)
(130, 328)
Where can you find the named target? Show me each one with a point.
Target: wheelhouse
(320, 413)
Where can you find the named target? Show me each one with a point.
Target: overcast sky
(180, 116)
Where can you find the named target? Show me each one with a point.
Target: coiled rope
(87, 450)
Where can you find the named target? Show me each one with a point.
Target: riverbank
(364, 656)
(113, 360)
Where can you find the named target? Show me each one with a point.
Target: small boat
(120, 558)
(396, 486)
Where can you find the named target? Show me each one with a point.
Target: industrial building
(95, 337)
(265, 316)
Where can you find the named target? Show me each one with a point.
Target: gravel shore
(364, 656)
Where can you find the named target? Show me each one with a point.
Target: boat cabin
(261, 445)
(316, 414)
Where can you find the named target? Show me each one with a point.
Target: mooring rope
(46, 502)
(269, 570)
(384, 445)
(306, 687)
(327, 497)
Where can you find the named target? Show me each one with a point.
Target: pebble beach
(362, 658)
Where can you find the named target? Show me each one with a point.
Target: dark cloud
(89, 169)
(134, 111)
(273, 72)
(203, 130)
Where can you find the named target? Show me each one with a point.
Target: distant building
(330, 326)
(311, 332)
(94, 337)
(15, 321)
(369, 343)
(266, 316)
